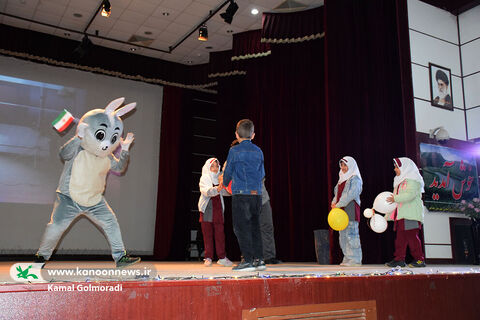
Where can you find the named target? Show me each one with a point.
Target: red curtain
(369, 100)
(168, 170)
(283, 95)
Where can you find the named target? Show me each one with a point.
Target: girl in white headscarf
(211, 209)
(408, 186)
(347, 196)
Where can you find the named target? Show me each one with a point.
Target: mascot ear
(114, 105)
(129, 107)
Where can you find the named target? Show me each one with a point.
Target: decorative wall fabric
(247, 45)
(221, 65)
(293, 27)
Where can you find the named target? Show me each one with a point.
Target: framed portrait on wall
(440, 86)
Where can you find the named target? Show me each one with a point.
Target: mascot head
(101, 129)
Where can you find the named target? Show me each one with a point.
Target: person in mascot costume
(88, 158)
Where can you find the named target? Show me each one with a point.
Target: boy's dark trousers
(245, 216)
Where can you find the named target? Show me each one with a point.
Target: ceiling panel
(46, 17)
(143, 7)
(22, 11)
(178, 5)
(51, 7)
(133, 16)
(198, 9)
(166, 13)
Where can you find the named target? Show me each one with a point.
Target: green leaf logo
(24, 274)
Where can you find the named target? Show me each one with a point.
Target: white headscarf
(352, 170)
(209, 175)
(408, 170)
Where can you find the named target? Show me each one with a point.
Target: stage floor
(196, 271)
(188, 290)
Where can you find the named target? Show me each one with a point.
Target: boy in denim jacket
(245, 169)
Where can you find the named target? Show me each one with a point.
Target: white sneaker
(208, 262)
(225, 262)
(350, 264)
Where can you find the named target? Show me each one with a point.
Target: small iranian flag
(62, 121)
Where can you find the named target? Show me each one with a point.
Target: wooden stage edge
(286, 291)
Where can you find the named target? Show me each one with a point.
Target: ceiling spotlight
(203, 33)
(106, 8)
(228, 15)
(254, 11)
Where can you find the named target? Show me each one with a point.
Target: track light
(203, 33)
(106, 8)
(228, 15)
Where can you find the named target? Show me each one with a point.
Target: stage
(188, 290)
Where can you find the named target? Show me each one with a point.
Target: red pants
(208, 230)
(407, 238)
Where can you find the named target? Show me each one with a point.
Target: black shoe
(39, 259)
(273, 261)
(126, 260)
(417, 264)
(394, 263)
(244, 266)
(259, 265)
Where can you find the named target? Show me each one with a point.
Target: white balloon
(368, 213)
(378, 223)
(381, 205)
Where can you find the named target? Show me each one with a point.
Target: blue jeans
(245, 218)
(65, 210)
(350, 243)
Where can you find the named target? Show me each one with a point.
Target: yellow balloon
(337, 219)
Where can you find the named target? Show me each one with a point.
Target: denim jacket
(245, 168)
(352, 191)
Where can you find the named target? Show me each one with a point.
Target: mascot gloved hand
(88, 158)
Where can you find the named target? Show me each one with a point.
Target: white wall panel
(472, 90)
(428, 117)
(425, 49)
(471, 57)
(421, 82)
(432, 20)
(473, 123)
(469, 25)
(438, 252)
(457, 92)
